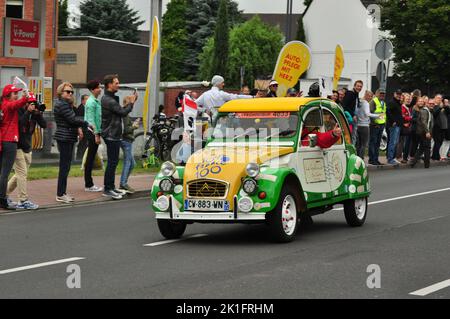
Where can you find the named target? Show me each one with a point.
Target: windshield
(261, 125)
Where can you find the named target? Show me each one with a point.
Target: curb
(405, 166)
(137, 195)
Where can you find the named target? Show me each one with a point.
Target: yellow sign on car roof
(285, 104)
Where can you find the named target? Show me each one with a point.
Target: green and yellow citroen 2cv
(266, 162)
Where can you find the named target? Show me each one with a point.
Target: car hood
(229, 164)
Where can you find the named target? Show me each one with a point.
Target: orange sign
(50, 54)
(265, 115)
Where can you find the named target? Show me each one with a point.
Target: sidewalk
(419, 165)
(43, 192)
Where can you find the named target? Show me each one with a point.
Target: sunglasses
(68, 91)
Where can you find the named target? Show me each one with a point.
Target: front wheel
(283, 220)
(355, 211)
(170, 229)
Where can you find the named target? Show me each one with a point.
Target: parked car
(259, 167)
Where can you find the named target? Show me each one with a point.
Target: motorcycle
(157, 144)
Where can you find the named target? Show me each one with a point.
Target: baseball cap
(10, 89)
(32, 98)
(399, 91)
(273, 82)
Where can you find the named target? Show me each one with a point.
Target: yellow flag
(153, 50)
(293, 61)
(338, 66)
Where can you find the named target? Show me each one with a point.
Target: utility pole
(155, 10)
(289, 20)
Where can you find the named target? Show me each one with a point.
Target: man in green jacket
(92, 115)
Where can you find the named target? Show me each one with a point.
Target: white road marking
(404, 197)
(49, 263)
(433, 288)
(159, 243)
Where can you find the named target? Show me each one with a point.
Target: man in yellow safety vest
(377, 106)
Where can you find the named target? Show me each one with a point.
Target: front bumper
(214, 217)
(174, 213)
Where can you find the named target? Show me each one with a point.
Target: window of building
(66, 58)
(14, 9)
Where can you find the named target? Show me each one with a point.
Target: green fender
(271, 181)
(358, 178)
(155, 188)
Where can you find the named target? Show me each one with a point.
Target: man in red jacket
(9, 136)
(324, 140)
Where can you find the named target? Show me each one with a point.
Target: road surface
(119, 253)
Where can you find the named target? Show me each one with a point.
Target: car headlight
(168, 169)
(166, 185)
(252, 170)
(250, 186)
(162, 203)
(245, 204)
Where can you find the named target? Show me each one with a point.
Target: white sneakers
(65, 199)
(93, 189)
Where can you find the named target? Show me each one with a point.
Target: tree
(174, 41)
(221, 37)
(300, 36)
(254, 45)
(201, 23)
(63, 16)
(111, 19)
(421, 44)
(307, 2)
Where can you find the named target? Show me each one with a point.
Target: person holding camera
(9, 135)
(112, 130)
(29, 116)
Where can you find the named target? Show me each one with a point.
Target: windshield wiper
(245, 133)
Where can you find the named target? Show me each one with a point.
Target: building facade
(353, 26)
(43, 12)
(81, 59)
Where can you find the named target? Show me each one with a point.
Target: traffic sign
(384, 49)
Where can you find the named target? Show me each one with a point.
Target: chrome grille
(207, 188)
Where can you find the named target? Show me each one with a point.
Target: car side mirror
(312, 140)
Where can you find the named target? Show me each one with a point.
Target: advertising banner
(293, 61)
(22, 38)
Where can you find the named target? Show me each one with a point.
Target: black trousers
(113, 151)
(438, 136)
(89, 164)
(65, 161)
(7, 158)
(425, 149)
(363, 140)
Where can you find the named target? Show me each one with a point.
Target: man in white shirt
(213, 99)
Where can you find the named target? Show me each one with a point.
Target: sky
(248, 6)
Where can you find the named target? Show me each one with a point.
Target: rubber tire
(276, 231)
(170, 229)
(350, 213)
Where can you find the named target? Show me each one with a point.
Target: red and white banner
(189, 113)
(22, 38)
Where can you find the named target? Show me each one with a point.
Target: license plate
(207, 205)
